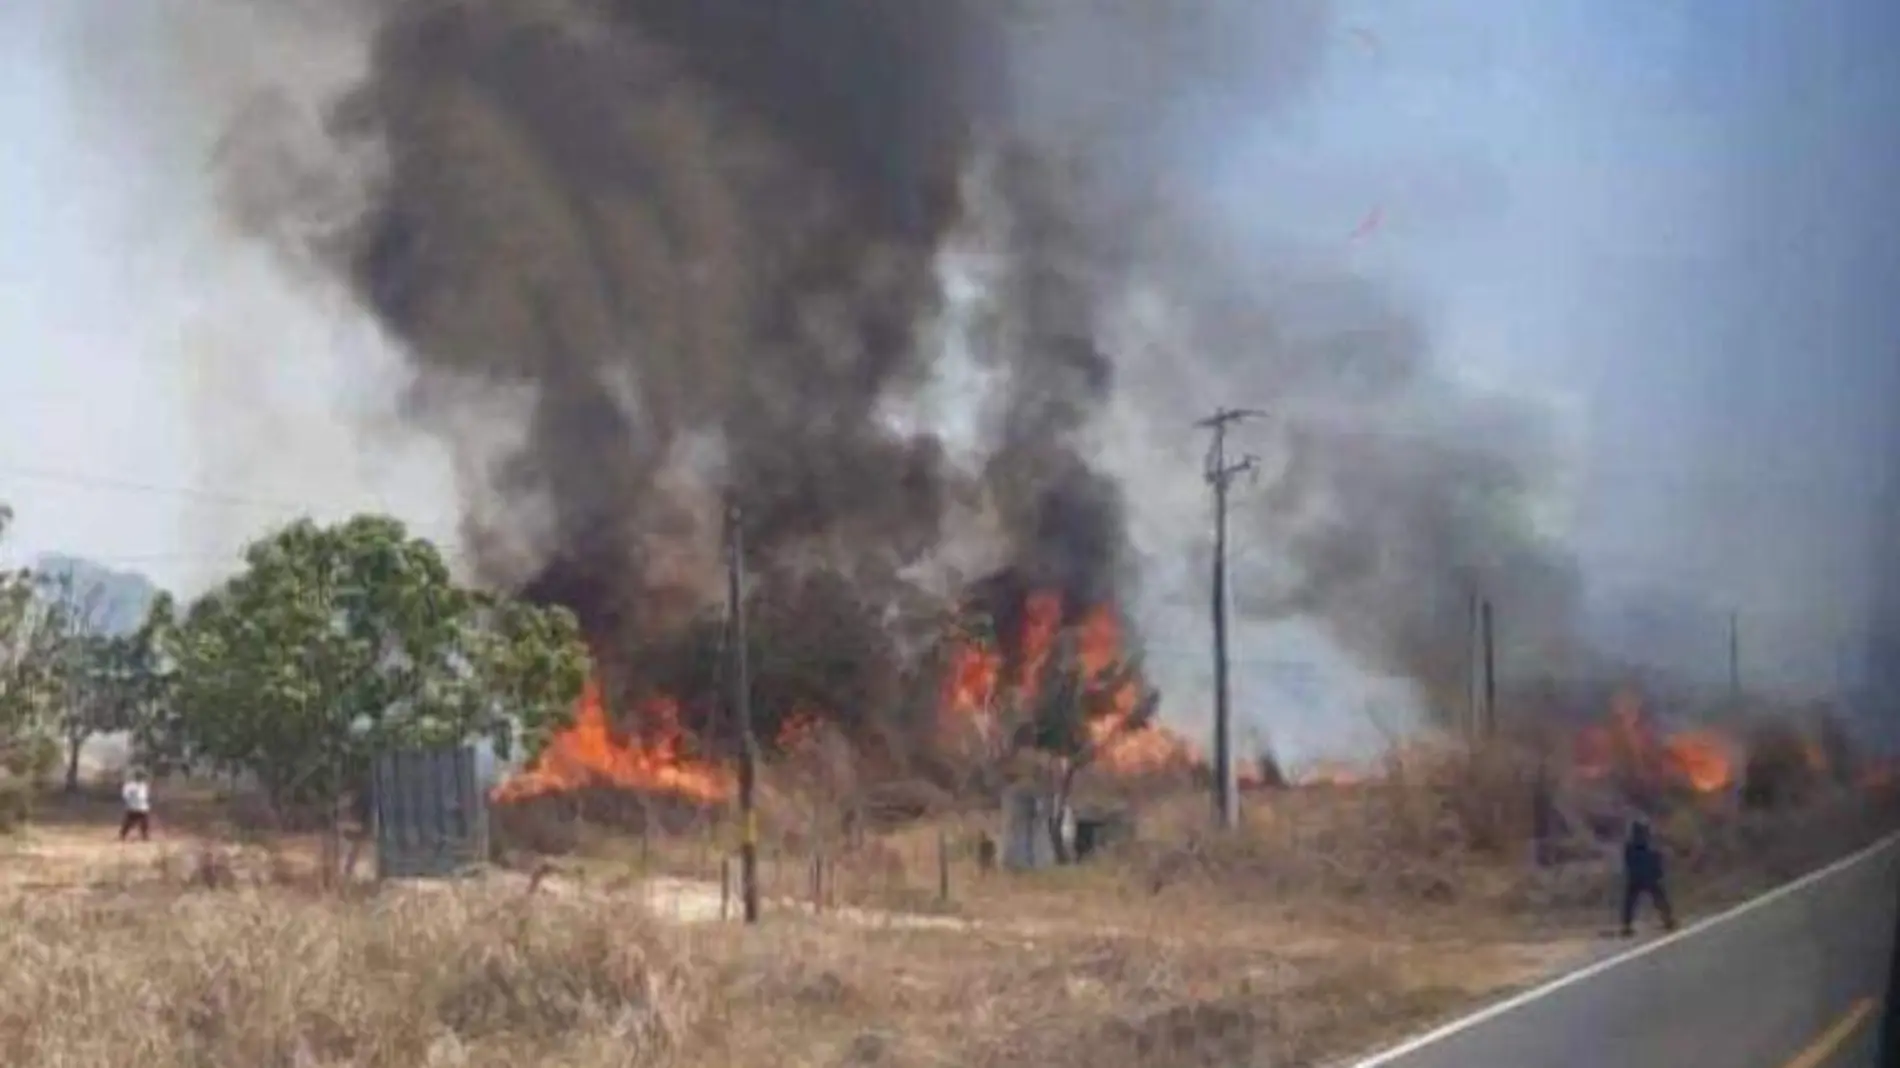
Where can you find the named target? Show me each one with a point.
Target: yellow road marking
(1823, 1048)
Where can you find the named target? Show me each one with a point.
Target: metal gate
(431, 813)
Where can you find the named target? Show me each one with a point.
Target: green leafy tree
(28, 675)
(92, 663)
(113, 682)
(160, 738)
(337, 641)
(76, 651)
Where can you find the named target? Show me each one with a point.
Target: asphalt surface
(1796, 979)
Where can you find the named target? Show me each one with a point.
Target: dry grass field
(1331, 923)
(190, 961)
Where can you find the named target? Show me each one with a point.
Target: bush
(34, 758)
(16, 805)
(1779, 770)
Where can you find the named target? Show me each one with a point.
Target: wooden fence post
(817, 881)
(943, 865)
(725, 887)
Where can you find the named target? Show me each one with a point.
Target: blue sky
(1672, 222)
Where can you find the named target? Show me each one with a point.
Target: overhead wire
(117, 484)
(287, 509)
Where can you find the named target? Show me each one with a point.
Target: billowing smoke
(1388, 499)
(705, 245)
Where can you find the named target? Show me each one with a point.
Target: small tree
(28, 676)
(117, 685)
(1075, 714)
(161, 738)
(81, 662)
(336, 642)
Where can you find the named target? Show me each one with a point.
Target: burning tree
(1082, 714)
(1063, 693)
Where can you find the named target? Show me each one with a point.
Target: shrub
(34, 758)
(16, 805)
(1779, 770)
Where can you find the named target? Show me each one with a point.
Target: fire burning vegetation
(985, 709)
(1629, 744)
(988, 691)
(590, 752)
(981, 710)
(878, 273)
(864, 269)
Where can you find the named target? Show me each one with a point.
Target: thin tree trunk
(1064, 789)
(74, 742)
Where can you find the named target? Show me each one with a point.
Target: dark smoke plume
(703, 238)
(697, 234)
(703, 242)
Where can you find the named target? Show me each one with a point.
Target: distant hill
(124, 596)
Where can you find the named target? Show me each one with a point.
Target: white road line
(1492, 1012)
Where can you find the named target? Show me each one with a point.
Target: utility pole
(1220, 474)
(1472, 715)
(1734, 661)
(1489, 637)
(742, 715)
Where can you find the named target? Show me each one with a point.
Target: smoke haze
(935, 290)
(722, 226)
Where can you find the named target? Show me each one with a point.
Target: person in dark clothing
(1643, 874)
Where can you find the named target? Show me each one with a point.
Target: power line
(116, 484)
(125, 485)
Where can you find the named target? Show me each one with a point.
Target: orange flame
(588, 753)
(1331, 773)
(1815, 755)
(969, 692)
(1628, 744)
(1702, 758)
(974, 686)
(1123, 746)
(1042, 619)
(798, 730)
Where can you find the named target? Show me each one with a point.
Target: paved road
(1797, 979)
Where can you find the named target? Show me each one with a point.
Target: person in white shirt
(138, 807)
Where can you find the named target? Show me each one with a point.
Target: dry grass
(188, 952)
(167, 975)
(211, 958)
(810, 994)
(1335, 919)
(1437, 846)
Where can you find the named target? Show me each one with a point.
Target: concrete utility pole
(1472, 716)
(742, 715)
(1735, 660)
(1220, 474)
(1490, 669)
